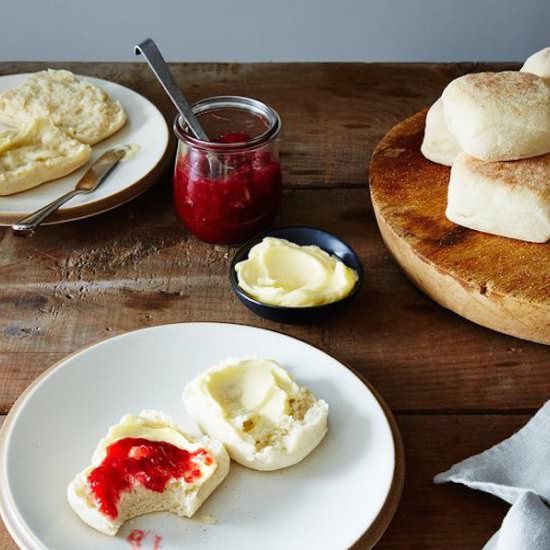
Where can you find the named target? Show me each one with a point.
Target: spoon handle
(154, 58)
(28, 224)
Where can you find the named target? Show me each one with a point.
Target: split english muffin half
(36, 152)
(81, 109)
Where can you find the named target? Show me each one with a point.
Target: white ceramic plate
(146, 128)
(326, 502)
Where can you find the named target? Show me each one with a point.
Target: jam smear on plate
(151, 464)
(137, 536)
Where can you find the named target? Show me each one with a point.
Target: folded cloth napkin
(518, 471)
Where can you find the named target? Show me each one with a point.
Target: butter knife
(89, 182)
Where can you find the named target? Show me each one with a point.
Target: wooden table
(455, 388)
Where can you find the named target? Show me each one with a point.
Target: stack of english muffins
(493, 129)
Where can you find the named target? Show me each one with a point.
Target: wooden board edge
(504, 314)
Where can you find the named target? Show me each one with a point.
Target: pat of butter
(252, 387)
(279, 272)
(131, 151)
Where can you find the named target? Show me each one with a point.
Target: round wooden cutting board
(500, 283)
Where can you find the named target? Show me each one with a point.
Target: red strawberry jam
(235, 203)
(148, 463)
(233, 137)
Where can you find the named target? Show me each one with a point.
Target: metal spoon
(154, 58)
(89, 182)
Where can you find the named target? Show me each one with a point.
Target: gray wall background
(275, 30)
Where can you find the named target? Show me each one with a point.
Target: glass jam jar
(228, 189)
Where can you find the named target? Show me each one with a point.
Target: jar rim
(233, 102)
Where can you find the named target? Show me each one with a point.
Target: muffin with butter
(81, 109)
(281, 273)
(36, 152)
(265, 420)
(145, 464)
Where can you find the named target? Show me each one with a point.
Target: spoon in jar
(154, 58)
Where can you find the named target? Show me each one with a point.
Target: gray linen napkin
(518, 471)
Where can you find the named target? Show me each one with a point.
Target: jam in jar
(228, 189)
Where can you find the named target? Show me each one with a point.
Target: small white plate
(328, 501)
(145, 127)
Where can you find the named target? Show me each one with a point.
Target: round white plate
(145, 127)
(328, 501)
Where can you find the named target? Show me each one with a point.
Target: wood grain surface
(497, 282)
(456, 388)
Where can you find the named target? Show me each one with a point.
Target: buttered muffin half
(146, 464)
(254, 407)
(36, 152)
(81, 109)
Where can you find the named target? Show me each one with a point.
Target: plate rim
(373, 533)
(114, 200)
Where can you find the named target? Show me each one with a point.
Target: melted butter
(252, 386)
(37, 140)
(209, 519)
(279, 272)
(131, 151)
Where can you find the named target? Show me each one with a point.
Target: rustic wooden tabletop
(455, 388)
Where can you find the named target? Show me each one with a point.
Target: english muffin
(499, 116)
(82, 110)
(538, 63)
(36, 152)
(438, 145)
(511, 199)
(145, 464)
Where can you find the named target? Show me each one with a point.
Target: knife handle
(27, 225)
